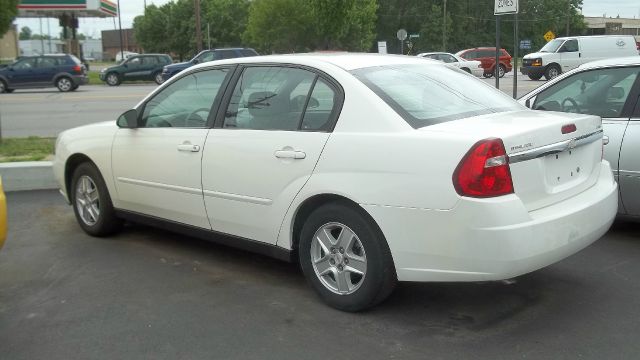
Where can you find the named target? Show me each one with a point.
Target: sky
(132, 8)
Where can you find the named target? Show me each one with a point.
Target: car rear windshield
(430, 94)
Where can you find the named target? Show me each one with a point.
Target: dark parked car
(207, 55)
(137, 67)
(63, 71)
(487, 58)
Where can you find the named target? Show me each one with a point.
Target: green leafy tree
(150, 29)
(25, 33)
(279, 26)
(227, 20)
(8, 13)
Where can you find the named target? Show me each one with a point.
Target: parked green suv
(137, 67)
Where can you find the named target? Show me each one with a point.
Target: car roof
(621, 61)
(344, 60)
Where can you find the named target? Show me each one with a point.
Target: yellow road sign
(549, 36)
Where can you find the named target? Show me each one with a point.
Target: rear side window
(149, 60)
(227, 54)
(426, 95)
(248, 52)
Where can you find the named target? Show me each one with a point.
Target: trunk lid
(546, 165)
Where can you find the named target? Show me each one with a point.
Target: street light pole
(444, 27)
(198, 28)
(120, 31)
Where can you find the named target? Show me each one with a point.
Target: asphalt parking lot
(149, 294)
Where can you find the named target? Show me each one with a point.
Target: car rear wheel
(158, 78)
(3, 87)
(487, 75)
(466, 70)
(113, 79)
(501, 70)
(551, 72)
(92, 203)
(64, 84)
(345, 258)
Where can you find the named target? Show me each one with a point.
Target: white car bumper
(494, 239)
(477, 71)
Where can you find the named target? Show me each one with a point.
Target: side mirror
(128, 120)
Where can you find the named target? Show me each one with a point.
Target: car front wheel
(64, 84)
(113, 79)
(158, 78)
(345, 257)
(91, 202)
(501, 70)
(551, 72)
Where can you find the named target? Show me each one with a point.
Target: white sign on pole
(503, 7)
(382, 47)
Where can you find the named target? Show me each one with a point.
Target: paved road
(47, 112)
(149, 294)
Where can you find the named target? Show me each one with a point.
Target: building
(9, 44)
(612, 26)
(89, 48)
(111, 43)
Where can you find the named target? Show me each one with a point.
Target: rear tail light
(569, 128)
(77, 69)
(484, 171)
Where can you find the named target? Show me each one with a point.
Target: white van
(567, 53)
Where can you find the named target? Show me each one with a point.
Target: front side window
(276, 98)
(149, 60)
(208, 56)
(24, 64)
(185, 103)
(133, 61)
(569, 46)
(601, 92)
(426, 95)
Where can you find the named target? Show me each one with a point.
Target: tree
(227, 20)
(8, 13)
(25, 33)
(279, 26)
(303, 25)
(151, 30)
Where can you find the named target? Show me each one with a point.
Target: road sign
(525, 44)
(414, 36)
(503, 7)
(549, 36)
(382, 47)
(401, 34)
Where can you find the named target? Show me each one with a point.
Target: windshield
(552, 46)
(426, 94)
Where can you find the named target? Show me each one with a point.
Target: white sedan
(366, 169)
(471, 66)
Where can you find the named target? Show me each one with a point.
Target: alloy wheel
(112, 79)
(64, 84)
(87, 200)
(338, 258)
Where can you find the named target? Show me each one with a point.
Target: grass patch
(32, 148)
(94, 78)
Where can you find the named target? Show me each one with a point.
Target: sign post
(504, 7)
(402, 35)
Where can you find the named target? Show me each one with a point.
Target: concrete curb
(27, 175)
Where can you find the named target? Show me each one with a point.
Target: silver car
(611, 89)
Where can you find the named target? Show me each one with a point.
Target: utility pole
(444, 27)
(120, 31)
(198, 28)
(568, 15)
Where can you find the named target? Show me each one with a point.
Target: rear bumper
(81, 79)
(535, 71)
(494, 239)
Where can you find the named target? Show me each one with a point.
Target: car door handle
(188, 147)
(605, 140)
(290, 154)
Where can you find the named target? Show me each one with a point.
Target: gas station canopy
(75, 8)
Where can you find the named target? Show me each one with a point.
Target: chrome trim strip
(181, 189)
(235, 197)
(558, 147)
(629, 173)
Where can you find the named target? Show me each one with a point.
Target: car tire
(466, 70)
(552, 71)
(3, 87)
(91, 202)
(534, 77)
(501, 70)
(350, 273)
(64, 84)
(157, 77)
(113, 79)
(75, 87)
(487, 75)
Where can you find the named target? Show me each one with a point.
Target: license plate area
(568, 167)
